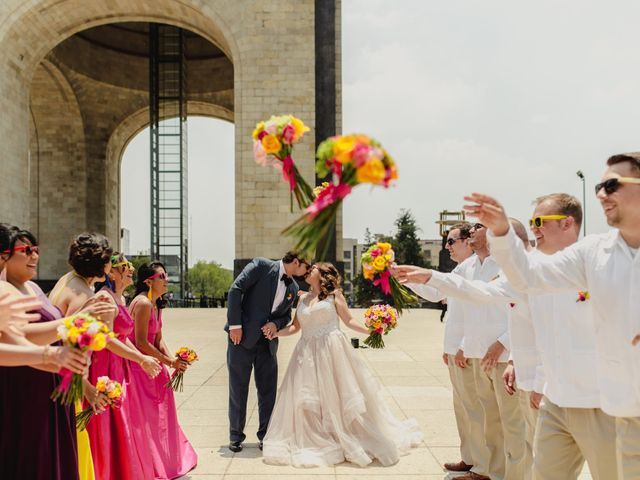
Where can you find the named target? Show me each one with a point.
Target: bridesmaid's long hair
(145, 271)
(330, 279)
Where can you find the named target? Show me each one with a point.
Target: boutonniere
(289, 296)
(583, 296)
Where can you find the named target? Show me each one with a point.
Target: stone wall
(78, 107)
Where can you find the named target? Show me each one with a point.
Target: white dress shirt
(281, 289)
(484, 324)
(604, 266)
(522, 336)
(454, 321)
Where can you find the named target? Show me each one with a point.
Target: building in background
(352, 252)
(431, 251)
(125, 241)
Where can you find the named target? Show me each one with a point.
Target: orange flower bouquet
(110, 389)
(189, 356)
(376, 262)
(84, 332)
(273, 143)
(380, 320)
(351, 160)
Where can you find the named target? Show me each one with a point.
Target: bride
(330, 408)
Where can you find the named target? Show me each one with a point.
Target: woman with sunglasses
(151, 403)
(117, 453)
(37, 438)
(90, 259)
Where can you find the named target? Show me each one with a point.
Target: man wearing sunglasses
(468, 411)
(259, 304)
(606, 266)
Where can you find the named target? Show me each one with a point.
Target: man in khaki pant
(468, 412)
(571, 425)
(485, 344)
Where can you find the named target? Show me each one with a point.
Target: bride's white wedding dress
(330, 407)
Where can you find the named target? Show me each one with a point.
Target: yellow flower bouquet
(273, 142)
(189, 356)
(351, 160)
(376, 262)
(380, 320)
(111, 389)
(84, 332)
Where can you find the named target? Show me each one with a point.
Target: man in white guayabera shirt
(484, 344)
(523, 353)
(606, 266)
(468, 411)
(572, 427)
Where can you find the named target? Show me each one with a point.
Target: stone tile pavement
(410, 367)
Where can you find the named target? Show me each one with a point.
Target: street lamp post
(584, 203)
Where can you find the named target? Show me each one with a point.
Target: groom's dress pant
(240, 362)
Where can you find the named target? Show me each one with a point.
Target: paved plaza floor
(410, 367)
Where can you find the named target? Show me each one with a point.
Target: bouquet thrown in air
(189, 356)
(273, 142)
(84, 332)
(350, 160)
(111, 389)
(380, 320)
(376, 262)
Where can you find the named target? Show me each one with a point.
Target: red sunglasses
(27, 249)
(160, 275)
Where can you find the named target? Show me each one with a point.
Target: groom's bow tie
(286, 279)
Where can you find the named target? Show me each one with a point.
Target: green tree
(209, 278)
(405, 243)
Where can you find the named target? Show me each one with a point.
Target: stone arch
(272, 44)
(127, 130)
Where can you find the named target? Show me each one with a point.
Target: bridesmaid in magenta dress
(117, 453)
(154, 403)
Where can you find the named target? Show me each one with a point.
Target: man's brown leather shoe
(473, 476)
(458, 467)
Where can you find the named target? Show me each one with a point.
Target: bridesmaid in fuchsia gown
(172, 454)
(117, 453)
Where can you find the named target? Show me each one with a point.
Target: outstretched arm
(345, 315)
(563, 271)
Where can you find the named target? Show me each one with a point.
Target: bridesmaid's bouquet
(189, 356)
(84, 332)
(376, 262)
(273, 143)
(110, 389)
(350, 160)
(380, 320)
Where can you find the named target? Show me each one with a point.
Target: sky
(507, 98)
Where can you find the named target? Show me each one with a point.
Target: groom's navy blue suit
(250, 304)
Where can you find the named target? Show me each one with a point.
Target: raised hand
(14, 308)
(98, 308)
(411, 274)
(489, 212)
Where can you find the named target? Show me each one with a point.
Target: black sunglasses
(613, 184)
(451, 241)
(477, 226)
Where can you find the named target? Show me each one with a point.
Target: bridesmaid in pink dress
(172, 454)
(117, 453)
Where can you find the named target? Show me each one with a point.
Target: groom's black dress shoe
(260, 445)
(235, 447)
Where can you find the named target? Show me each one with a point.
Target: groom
(259, 304)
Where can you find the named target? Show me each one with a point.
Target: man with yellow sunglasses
(608, 267)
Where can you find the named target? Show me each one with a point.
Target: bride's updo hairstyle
(330, 279)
